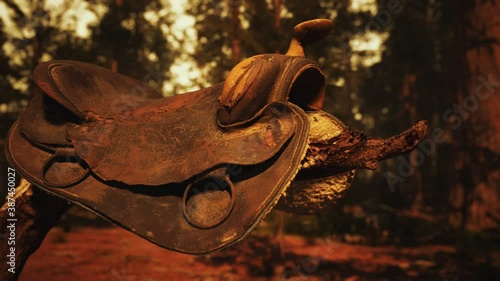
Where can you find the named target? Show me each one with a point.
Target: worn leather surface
(174, 146)
(253, 83)
(193, 173)
(142, 158)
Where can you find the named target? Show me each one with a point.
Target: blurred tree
(474, 118)
(49, 29)
(408, 84)
(435, 59)
(126, 42)
(7, 96)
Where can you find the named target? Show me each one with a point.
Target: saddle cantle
(194, 172)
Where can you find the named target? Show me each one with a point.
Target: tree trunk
(117, 49)
(476, 116)
(26, 224)
(410, 97)
(234, 7)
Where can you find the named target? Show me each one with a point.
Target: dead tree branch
(351, 150)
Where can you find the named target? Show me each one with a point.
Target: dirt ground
(113, 254)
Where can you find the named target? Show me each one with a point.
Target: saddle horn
(257, 80)
(307, 33)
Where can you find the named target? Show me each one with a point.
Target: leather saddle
(194, 172)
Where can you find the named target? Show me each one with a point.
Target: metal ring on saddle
(207, 202)
(66, 155)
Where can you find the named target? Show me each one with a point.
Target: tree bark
(117, 49)
(410, 98)
(352, 150)
(234, 8)
(36, 212)
(474, 196)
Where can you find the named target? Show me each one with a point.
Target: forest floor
(109, 253)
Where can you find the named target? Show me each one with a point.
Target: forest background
(388, 63)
